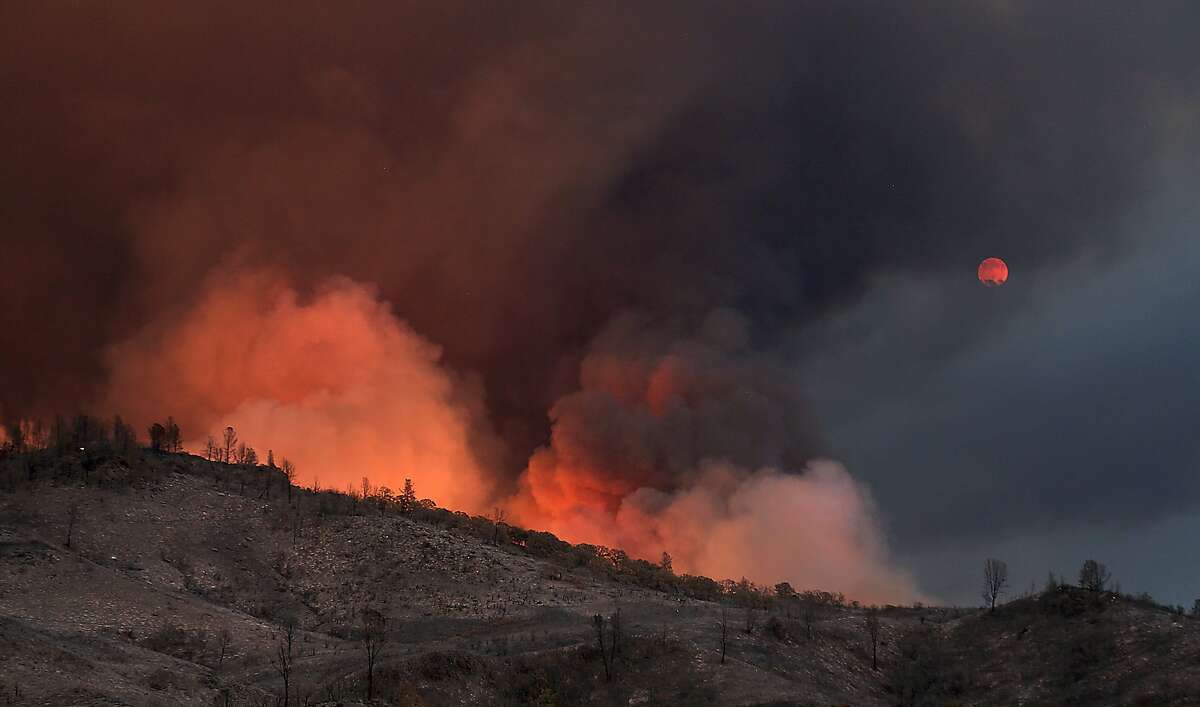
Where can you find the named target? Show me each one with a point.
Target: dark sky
(518, 180)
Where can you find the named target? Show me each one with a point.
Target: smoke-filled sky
(694, 277)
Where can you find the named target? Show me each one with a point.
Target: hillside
(168, 553)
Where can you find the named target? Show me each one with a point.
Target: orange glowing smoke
(335, 383)
(642, 458)
(667, 446)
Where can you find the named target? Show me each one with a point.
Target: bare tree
(614, 621)
(667, 563)
(224, 640)
(289, 473)
(995, 579)
(270, 458)
(229, 444)
(282, 660)
(72, 516)
(374, 636)
(497, 524)
(211, 451)
(873, 632)
(723, 629)
(1094, 576)
(598, 625)
(173, 438)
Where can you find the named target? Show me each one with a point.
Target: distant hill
(182, 576)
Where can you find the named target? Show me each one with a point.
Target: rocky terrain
(165, 579)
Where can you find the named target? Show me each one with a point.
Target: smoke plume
(697, 447)
(333, 381)
(556, 255)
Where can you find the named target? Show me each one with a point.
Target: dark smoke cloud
(517, 181)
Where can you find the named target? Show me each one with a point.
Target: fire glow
(667, 446)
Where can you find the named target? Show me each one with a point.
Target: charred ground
(139, 577)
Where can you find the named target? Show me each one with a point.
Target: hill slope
(168, 553)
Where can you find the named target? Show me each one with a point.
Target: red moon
(993, 272)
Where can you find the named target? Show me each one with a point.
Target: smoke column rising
(697, 446)
(670, 445)
(552, 255)
(334, 382)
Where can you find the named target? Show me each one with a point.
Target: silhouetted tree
(873, 632)
(158, 437)
(270, 459)
(1093, 576)
(497, 524)
(667, 563)
(211, 451)
(289, 473)
(250, 457)
(784, 596)
(408, 498)
(374, 636)
(385, 497)
(1196, 609)
(173, 439)
(228, 444)
(995, 579)
(598, 626)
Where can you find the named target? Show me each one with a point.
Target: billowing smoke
(332, 380)
(596, 238)
(693, 446)
(688, 445)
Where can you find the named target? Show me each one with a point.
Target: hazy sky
(631, 243)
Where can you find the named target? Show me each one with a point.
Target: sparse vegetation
(374, 635)
(723, 631)
(1094, 576)
(995, 579)
(268, 561)
(281, 661)
(873, 634)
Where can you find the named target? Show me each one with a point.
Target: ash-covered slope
(167, 579)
